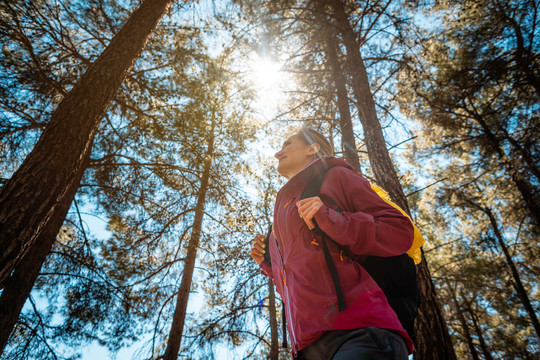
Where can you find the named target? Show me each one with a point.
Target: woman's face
(294, 155)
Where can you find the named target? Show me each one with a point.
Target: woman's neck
(300, 168)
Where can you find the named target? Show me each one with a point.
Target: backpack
(395, 275)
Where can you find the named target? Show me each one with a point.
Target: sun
(270, 82)
(267, 74)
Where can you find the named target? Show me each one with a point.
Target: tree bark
(274, 344)
(177, 327)
(434, 340)
(348, 143)
(18, 286)
(43, 185)
(463, 321)
(478, 330)
(379, 158)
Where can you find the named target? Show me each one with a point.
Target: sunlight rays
(270, 83)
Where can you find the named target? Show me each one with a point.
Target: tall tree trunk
(434, 340)
(43, 185)
(274, 345)
(177, 327)
(463, 321)
(379, 158)
(18, 286)
(478, 330)
(348, 143)
(518, 284)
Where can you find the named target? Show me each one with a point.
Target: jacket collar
(300, 180)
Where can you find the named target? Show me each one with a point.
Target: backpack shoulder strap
(311, 190)
(267, 257)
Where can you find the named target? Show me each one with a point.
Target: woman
(368, 328)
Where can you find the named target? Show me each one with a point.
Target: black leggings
(360, 344)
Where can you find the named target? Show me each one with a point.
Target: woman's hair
(311, 137)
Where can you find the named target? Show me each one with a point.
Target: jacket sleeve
(368, 225)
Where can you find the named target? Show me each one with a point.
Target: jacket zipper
(284, 279)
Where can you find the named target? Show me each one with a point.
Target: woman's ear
(314, 149)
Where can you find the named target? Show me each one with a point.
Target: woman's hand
(258, 249)
(307, 208)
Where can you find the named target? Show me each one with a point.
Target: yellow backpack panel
(414, 252)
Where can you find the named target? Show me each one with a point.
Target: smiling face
(294, 155)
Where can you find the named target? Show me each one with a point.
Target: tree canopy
(164, 117)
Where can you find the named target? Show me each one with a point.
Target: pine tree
(469, 88)
(470, 266)
(475, 81)
(20, 282)
(44, 195)
(73, 264)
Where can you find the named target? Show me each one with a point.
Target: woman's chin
(282, 171)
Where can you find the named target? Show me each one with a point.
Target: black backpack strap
(284, 325)
(267, 257)
(311, 190)
(314, 187)
(342, 305)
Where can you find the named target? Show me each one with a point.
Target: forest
(136, 166)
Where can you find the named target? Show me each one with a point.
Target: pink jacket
(366, 226)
